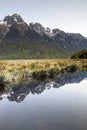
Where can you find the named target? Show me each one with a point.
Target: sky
(67, 15)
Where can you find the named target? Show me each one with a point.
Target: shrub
(71, 68)
(39, 75)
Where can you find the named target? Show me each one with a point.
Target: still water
(60, 104)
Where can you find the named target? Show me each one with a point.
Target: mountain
(14, 19)
(19, 40)
(40, 29)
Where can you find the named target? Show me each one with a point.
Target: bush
(39, 75)
(71, 68)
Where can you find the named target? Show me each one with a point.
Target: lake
(58, 104)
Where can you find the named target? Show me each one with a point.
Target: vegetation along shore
(15, 71)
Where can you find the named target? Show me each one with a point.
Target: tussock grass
(18, 70)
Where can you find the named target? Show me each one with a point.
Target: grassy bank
(15, 71)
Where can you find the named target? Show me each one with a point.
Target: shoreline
(14, 71)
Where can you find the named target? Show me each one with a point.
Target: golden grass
(16, 70)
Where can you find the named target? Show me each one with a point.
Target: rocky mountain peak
(14, 19)
(40, 29)
(37, 27)
(55, 31)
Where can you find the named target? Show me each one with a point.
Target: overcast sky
(67, 15)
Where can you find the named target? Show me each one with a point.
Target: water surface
(60, 104)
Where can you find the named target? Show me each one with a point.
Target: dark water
(60, 104)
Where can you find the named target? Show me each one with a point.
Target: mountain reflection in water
(19, 92)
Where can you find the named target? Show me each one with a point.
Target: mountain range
(18, 40)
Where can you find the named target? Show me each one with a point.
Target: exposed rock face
(15, 18)
(37, 27)
(3, 30)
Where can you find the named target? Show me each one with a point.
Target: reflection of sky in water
(66, 106)
(63, 108)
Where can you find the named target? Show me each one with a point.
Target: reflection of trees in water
(19, 92)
